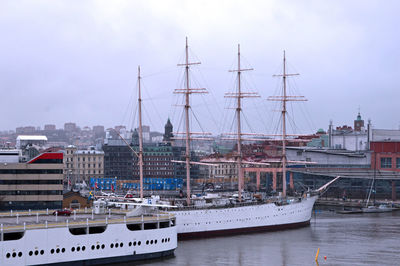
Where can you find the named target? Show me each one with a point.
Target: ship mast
(187, 91)
(140, 136)
(284, 99)
(187, 106)
(284, 128)
(239, 133)
(239, 95)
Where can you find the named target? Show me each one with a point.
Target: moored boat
(85, 238)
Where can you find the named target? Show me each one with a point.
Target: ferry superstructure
(85, 238)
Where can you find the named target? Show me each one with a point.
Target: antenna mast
(187, 91)
(140, 136)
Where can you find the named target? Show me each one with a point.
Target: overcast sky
(76, 61)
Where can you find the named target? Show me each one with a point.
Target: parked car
(65, 212)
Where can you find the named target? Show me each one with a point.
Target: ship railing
(30, 212)
(277, 201)
(160, 217)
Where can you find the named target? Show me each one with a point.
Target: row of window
(30, 171)
(386, 162)
(31, 192)
(83, 248)
(84, 165)
(30, 182)
(84, 159)
(14, 254)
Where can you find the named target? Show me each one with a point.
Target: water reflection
(358, 239)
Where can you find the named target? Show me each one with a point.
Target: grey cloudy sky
(77, 61)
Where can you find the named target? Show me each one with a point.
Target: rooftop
(31, 137)
(329, 151)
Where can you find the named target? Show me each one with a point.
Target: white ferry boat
(84, 238)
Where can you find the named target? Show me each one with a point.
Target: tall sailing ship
(226, 215)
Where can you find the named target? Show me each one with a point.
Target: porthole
(78, 248)
(151, 242)
(30, 253)
(155, 241)
(92, 247)
(134, 243)
(52, 251)
(103, 246)
(62, 250)
(8, 255)
(37, 252)
(147, 242)
(121, 245)
(116, 245)
(112, 245)
(169, 239)
(20, 254)
(42, 252)
(98, 247)
(162, 240)
(83, 248)
(14, 254)
(139, 243)
(130, 244)
(73, 249)
(57, 251)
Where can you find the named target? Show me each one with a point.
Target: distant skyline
(76, 61)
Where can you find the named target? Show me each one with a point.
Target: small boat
(380, 208)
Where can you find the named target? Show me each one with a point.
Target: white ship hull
(193, 223)
(116, 244)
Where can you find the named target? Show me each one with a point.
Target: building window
(386, 162)
(397, 162)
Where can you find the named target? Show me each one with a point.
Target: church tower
(358, 123)
(168, 132)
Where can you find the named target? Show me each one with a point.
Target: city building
(347, 138)
(98, 132)
(385, 155)
(36, 184)
(118, 159)
(25, 130)
(25, 140)
(81, 165)
(157, 162)
(10, 156)
(49, 127)
(70, 127)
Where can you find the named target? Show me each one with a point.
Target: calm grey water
(357, 239)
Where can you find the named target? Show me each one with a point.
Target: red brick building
(385, 155)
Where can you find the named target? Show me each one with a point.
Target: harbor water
(356, 239)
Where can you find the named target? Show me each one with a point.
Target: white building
(10, 156)
(23, 140)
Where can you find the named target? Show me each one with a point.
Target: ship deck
(20, 221)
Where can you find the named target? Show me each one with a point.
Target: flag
(112, 187)
(90, 195)
(95, 185)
